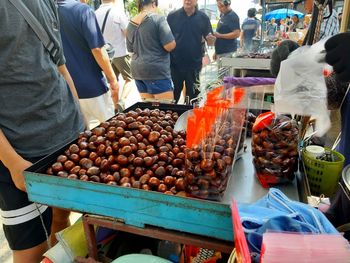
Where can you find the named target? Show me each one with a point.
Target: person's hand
(114, 88)
(338, 55)
(16, 171)
(217, 35)
(281, 53)
(210, 38)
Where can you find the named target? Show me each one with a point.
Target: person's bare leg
(31, 255)
(60, 221)
(169, 95)
(146, 96)
(126, 89)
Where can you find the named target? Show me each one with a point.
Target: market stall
(243, 64)
(113, 193)
(136, 173)
(129, 208)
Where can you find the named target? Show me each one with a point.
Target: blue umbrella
(282, 13)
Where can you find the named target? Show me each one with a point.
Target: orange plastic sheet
(207, 119)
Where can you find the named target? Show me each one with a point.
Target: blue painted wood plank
(135, 207)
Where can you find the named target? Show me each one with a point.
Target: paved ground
(5, 253)
(208, 74)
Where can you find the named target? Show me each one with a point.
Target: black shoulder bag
(109, 48)
(38, 29)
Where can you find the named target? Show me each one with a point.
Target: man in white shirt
(114, 33)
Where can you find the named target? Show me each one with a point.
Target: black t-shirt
(228, 23)
(188, 32)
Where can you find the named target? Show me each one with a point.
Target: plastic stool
(137, 258)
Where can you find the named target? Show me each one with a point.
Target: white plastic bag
(300, 86)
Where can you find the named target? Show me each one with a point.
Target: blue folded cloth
(276, 212)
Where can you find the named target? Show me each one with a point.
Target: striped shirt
(330, 26)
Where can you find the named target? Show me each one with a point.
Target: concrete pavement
(5, 253)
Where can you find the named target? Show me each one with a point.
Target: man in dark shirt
(227, 32)
(83, 45)
(189, 26)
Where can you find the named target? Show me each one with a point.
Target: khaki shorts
(121, 66)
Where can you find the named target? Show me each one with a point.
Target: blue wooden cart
(141, 208)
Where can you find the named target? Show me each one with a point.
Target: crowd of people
(280, 28)
(47, 101)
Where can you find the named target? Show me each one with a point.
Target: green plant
(131, 7)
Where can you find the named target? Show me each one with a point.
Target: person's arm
(338, 55)
(94, 38)
(232, 35)
(165, 35)
(13, 162)
(129, 44)
(241, 39)
(102, 59)
(124, 32)
(208, 33)
(258, 30)
(65, 73)
(170, 46)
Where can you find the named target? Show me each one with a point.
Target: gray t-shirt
(149, 59)
(38, 113)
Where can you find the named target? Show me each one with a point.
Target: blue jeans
(156, 86)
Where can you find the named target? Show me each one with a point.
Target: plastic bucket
(345, 184)
(138, 258)
(323, 176)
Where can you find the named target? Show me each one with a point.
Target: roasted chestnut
(154, 182)
(153, 136)
(122, 159)
(93, 171)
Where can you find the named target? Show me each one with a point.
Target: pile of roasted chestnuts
(275, 149)
(140, 149)
(209, 164)
(136, 149)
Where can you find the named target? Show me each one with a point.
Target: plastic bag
(275, 148)
(301, 88)
(213, 134)
(243, 254)
(257, 90)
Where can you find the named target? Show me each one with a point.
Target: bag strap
(38, 29)
(105, 20)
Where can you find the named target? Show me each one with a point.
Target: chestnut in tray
(274, 148)
(140, 149)
(136, 149)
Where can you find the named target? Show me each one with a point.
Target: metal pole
(345, 16)
(263, 4)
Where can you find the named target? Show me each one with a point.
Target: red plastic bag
(242, 250)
